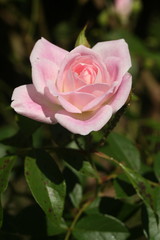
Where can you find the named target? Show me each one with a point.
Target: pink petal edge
(44, 75)
(114, 48)
(78, 99)
(80, 124)
(27, 102)
(122, 94)
(44, 49)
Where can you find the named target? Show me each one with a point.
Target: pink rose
(123, 7)
(80, 89)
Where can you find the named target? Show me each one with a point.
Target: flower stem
(81, 210)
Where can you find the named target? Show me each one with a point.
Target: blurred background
(23, 22)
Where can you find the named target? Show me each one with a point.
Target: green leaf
(46, 184)
(120, 193)
(123, 150)
(6, 165)
(7, 131)
(53, 229)
(4, 150)
(26, 128)
(88, 170)
(121, 188)
(76, 195)
(157, 165)
(77, 162)
(140, 184)
(100, 227)
(93, 208)
(82, 40)
(153, 226)
(60, 135)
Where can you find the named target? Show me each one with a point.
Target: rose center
(85, 72)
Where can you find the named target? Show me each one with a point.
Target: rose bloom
(123, 7)
(80, 89)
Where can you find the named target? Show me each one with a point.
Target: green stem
(81, 210)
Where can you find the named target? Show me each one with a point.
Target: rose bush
(80, 89)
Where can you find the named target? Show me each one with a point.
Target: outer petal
(96, 89)
(27, 102)
(102, 93)
(113, 65)
(44, 75)
(122, 94)
(115, 48)
(116, 71)
(43, 49)
(84, 123)
(77, 99)
(84, 51)
(68, 106)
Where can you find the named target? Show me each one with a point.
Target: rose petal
(27, 102)
(96, 89)
(68, 106)
(77, 99)
(65, 82)
(84, 51)
(97, 60)
(44, 75)
(84, 123)
(122, 94)
(43, 49)
(62, 76)
(96, 103)
(115, 69)
(71, 81)
(113, 65)
(102, 93)
(115, 48)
